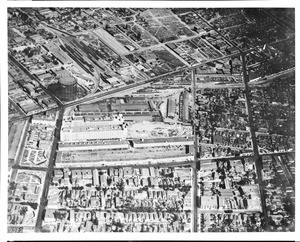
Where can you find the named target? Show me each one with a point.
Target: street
(49, 171)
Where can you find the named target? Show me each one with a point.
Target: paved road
(24, 69)
(20, 151)
(280, 21)
(30, 168)
(107, 94)
(228, 211)
(149, 80)
(127, 88)
(20, 110)
(195, 161)
(258, 162)
(136, 165)
(112, 93)
(49, 171)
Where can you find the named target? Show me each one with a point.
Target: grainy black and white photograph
(158, 120)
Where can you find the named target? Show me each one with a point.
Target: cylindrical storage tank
(68, 88)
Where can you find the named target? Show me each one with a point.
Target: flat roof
(96, 107)
(129, 106)
(88, 128)
(94, 143)
(109, 113)
(97, 118)
(120, 155)
(137, 114)
(162, 140)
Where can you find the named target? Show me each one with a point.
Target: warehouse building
(171, 108)
(85, 133)
(94, 145)
(158, 142)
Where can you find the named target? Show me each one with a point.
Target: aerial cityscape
(151, 120)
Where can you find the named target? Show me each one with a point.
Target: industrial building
(159, 142)
(128, 116)
(171, 108)
(94, 145)
(135, 99)
(129, 107)
(95, 132)
(93, 107)
(93, 127)
(185, 106)
(28, 105)
(137, 116)
(48, 119)
(93, 120)
(96, 178)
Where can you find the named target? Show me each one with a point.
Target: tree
(30, 54)
(138, 35)
(12, 186)
(27, 50)
(23, 211)
(23, 16)
(59, 215)
(33, 205)
(109, 181)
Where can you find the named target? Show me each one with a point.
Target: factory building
(137, 116)
(93, 120)
(119, 107)
(159, 142)
(85, 133)
(171, 108)
(96, 181)
(185, 106)
(93, 107)
(94, 145)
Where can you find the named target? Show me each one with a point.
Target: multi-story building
(85, 133)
